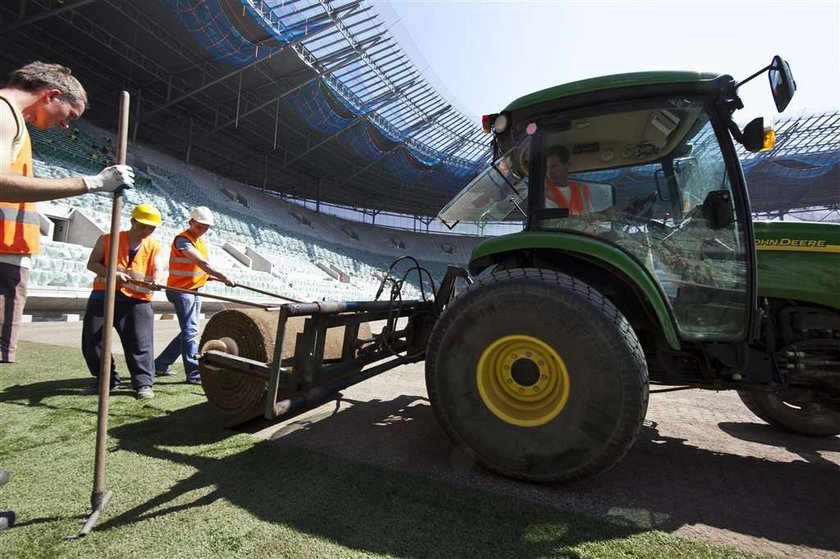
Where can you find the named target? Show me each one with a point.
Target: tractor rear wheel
(537, 376)
(793, 414)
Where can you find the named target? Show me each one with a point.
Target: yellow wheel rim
(522, 380)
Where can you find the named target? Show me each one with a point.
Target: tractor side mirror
(781, 82)
(717, 209)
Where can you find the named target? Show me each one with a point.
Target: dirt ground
(703, 467)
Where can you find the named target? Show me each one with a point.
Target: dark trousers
(13, 281)
(134, 322)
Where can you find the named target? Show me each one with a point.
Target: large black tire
(804, 418)
(529, 330)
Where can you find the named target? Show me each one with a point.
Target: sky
(489, 53)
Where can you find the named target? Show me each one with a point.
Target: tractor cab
(643, 163)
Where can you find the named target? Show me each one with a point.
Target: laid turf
(185, 487)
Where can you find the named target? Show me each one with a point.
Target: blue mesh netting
(400, 165)
(423, 157)
(311, 105)
(326, 105)
(800, 181)
(389, 132)
(359, 141)
(209, 25)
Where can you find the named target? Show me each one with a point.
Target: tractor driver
(560, 192)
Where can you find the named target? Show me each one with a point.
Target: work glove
(110, 178)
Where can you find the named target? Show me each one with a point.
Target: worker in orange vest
(139, 259)
(559, 190)
(44, 95)
(188, 269)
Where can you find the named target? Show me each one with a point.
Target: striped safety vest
(19, 224)
(579, 194)
(183, 273)
(141, 268)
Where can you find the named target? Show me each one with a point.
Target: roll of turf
(251, 333)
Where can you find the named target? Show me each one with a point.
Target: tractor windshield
(651, 178)
(500, 193)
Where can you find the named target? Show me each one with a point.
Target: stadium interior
(245, 105)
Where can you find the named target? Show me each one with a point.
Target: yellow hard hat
(146, 214)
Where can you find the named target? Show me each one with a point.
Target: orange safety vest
(579, 197)
(19, 224)
(141, 268)
(183, 273)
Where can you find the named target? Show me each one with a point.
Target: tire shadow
(356, 504)
(664, 483)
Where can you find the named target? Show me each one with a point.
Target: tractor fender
(499, 249)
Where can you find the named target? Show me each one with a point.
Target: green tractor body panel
(799, 261)
(636, 79)
(591, 249)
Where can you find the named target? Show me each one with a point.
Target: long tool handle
(149, 285)
(107, 325)
(260, 291)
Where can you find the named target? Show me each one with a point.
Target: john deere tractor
(639, 264)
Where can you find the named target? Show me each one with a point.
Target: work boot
(145, 393)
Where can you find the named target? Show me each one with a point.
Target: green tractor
(639, 264)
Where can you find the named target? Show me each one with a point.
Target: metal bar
(274, 379)
(238, 101)
(320, 395)
(136, 116)
(351, 334)
(306, 309)
(189, 142)
(241, 365)
(316, 358)
(276, 123)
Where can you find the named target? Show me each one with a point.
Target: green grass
(185, 487)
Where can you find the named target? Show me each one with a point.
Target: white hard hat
(203, 215)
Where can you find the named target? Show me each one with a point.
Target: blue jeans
(185, 344)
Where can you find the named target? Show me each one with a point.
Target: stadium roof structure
(313, 98)
(317, 99)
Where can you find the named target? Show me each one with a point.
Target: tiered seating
(266, 225)
(60, 265)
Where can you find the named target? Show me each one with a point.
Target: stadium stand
(311, 258)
